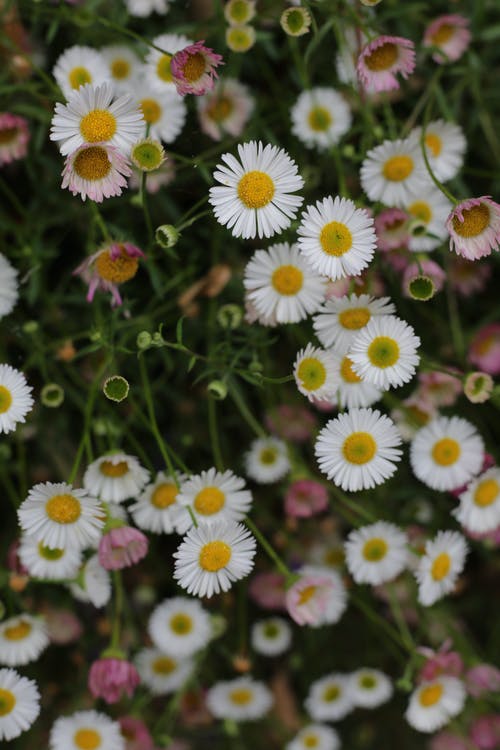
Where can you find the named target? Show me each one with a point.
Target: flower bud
(229, 316)
(295, 21)
(217, 389)
(167, 236)
(116, 388)
(144, 340)
(478, 387)
(52, 395)
(421, 288)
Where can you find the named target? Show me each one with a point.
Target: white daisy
(358, 449)
(354, 39)
(255, 197)
(377, 553)
(8, 286)
(369, 688)
(384, 352)
(317, 736)
(479, 509)
(351, 391)
(440, 566)
(115, 477)
(15, 398)
(328, 552)
(157, 68)
(271, 637)
(267, 460)
(213, 556)
(336, 238)
(212, 496)
(123, 65)
(86, 730)
(157, 507)
(281, 283)
(336, 600)
(94, 114)
(434, 703)
(394, 171)
(165, 112)
(341, 318)
(78, 66)
(22, 640)
(144, 8)
(314, 373)
(93, 585)
(431, 209)
(180, 627)
(329, 698)
(161, 673)
(242, 699)
(50, 564)
(225, 109)
(446, 453)
(320, 117)
(19, 704)
(445, 145)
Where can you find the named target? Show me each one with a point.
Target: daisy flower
(22, 640)
(295, 21)
(78, 66)
(108, 267)
(351, 391)
(353, 40)
(429, 209)
(94, 584)
(336, 238)
(358, 449)
(446, 453)
(445, 145)
(180, 627)
(14, 137)
(94, 114)
(160, 673)
(15, 398)
(20, 704)
(157, 507)
(318, 598)
(369, 688)
(479, 509)
(59, 516)
(271, 637)
(96, 172)
(115, 477)
(9, 288)
(381, 59)
(212, 496)
(123, 65)
(280, 283)
(394, 171)
(329, 698)
(267, 460)
(86, 729)
(193, 69)
(391, 227)
(340, 319)
(213, 556)
(377, 553)
(318, 736)
(440, 566)
(384, 353)
(242, 699)
(226, 109)
(240, 38)
(474, 227)
(144, 8)
(314, 373)
(450, 34)
(50, 564)
(434, 703)
(157, 70)
(320, 117)
(164, 111)
(255, 197)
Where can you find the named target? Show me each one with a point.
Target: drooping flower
(193, 69)
(112, 678)
(96, 172)
(108, 267)
(384, 57)
(450, 34)
(122, 547)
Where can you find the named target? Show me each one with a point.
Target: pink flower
(449, 741)
(122, 547)
(305, 498)
(442, 662)
(110, 266)
(291, 422)
(381, 59)
(136, 733)
(110, 679)
(193, 69)
(468, 278)
(485, 732)
(483, 678)
(391, 227)
(308, 599)
(63, 626)
(484, 350)
(96, 171)
(14, 137)
(439, 388)
(491, 537)
(450, 34)
(474, 227)
(426, 268)
(268, 590)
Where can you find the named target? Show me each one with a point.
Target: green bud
(217, 389)
(95, 335)
(30, 327)
(256, 367)
(421, 288)
(144, 340)
(229, 316)
(348, 151)
(167, 235)
(158, 339)
(417, 228)
(116, 388)
(52, 395)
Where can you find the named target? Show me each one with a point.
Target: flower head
(225, 109)
(122, 547)
(108, 267)
(111, 679)
(434, 703)
(474, 227)
(305, 498)
(450, 35)
(20, 704)
(15, 398)
(381, 59)
(14, 137)
(317, 598)
(96, 172)
(193, 69)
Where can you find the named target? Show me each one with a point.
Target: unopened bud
(144, 340)
(421, 288)
(217, 389)
(167, 235)
(478, 387)
(52, 395)
(229, 316)
(116, 388)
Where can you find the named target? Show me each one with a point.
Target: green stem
(343, 191)
(100, 221)
(397, 612)
(433, 177)
(145, 209)
(454, 315)
(117, 615)
(86, 422)
(214, 434)
(379, 621)
(240, 403)
(281, 566)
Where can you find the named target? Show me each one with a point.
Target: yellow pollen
(87, 739)
(434, 143)
(398, 168)
(430, 695)
(287, 280)
(109, 469)
(151, 110)
(355, 318)
(311, 374)
(335, 238)
(476, 220)
(48, 553)
(214, 556)
(256, 189)
(268, 456)
(7, 701)
(117, 270)
(441, 566)
(209, 500)
(163, 665)
(18, 632)
(7, 135)
(359, 448)
(383, 352)
(382, 58)
(310, 740)
(164, 496)
(194, 67)
(120, 69)
(421, 210)
(5, 399)
(92, 163)
(348, 374)
(486, 493)
(163, 68)
(306, 594)
(98, 126)
(79, 77)
(367, 681)
(375, 550)
(241, 696)
(331, 693)
(220, 109)
(181, 624)
(63, 508)
(443, 34)
(319, 119)
(446, 451)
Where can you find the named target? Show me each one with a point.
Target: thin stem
(247, 415)
(378, 620)
(86, 422)
(145, 209)
(117, 615)
(433, 177)
(100, 221)
(454, 315)
(281, 566)
(343, 191)
(406, 636)
(214, 434)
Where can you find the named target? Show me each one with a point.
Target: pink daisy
(112, 678)
(110, 266)
(226, 109)
(305, 498)
(484, 349)
(450, 34)
(474, 227)
(308, 599)
(391, 227)
(381, 59)
(467, 278)
(96, 171)
(193, 69)
(14, 137)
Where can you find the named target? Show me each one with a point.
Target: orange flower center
(194, 67)
(476, 220)
(92, 163)
(63, 508)
(109, 469)
(119, 269)
(164, 496)
(382, 58)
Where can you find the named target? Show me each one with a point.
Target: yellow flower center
(319, 119)
(382, 58)
(63, 508)
(335, 238)
(347, 373)
(421, 211)
(119, 269)
(18, 632)
(476, 220)
(375, 549)
(486, 493)
(268, 456)
(418, 416)
(446, 451)
(441, 566)
(271, 630)
(7, 135)
(151, 110)
(367, 682)
(92, 163)
(398, 168)
(311, 373)
(163, 68)
(310, 740)
(331, 693)
(355, 318)
(120, 69)
(359, 448)
(334, 556)
(287, 280)
(48, 553)
(383, 352)
(194, 67)
(98, 126)
(255, 189)
(181, 624)
(434, 143)
(306, 594)
(5, 399)
(241, 696)
(214, 556)
(7, 701)
(209, 500)
(164, 496)
(220, 109)
(163, 665)
(79, 77)
(443, 34)
(430, 695)
(87, 739)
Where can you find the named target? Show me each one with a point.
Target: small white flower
(180, 627)
(48, 563)
(431, 208)
(314, 373)
(22, 640)
(94, 584)
(369, 688)
(479, 509)
(317, 736)
(351, 391)
(242, 699)
(394, 171)
(123, 65)
(144, 8)
(115, 477)
(86, 729)
(320, 117)
(20, 704)
(267, 460)
(434, 703)
(212, 496)
(157, 507)
(162, 673)
(377, 553)
(78, 66)
(157, 68)
(440, 566)
(271, 637)
(329, 698)
(445, 145)
(341, 319)
(8, 286)
(164, 111)
(15, 398)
